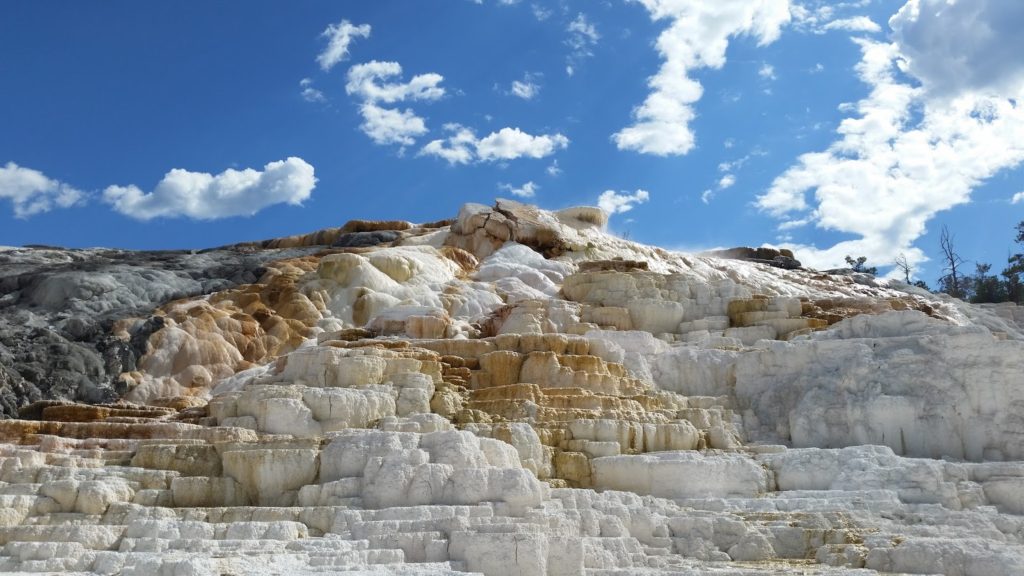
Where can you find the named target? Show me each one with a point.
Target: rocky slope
(511, 392)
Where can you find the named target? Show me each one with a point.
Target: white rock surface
(460, 403)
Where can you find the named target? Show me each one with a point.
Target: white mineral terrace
(520, 393)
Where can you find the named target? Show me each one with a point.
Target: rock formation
(510, 392)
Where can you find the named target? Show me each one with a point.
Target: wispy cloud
(823, 16)
(528, 190)
(339, 37)
(540, 12)
(583, 36)
(724, 183)
(855, 24)
(554, 169)
(309, 93)
(528, 88)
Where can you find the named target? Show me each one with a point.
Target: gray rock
(366, 239)
(57, 308)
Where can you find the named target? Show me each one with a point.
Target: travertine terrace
(511, 392)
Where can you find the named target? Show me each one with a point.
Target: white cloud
(823, 16)
(309, 93)
(614, 202)
(203, 196)
(767, 71)
(855, 24)
(367, 82)
(371, 83)
(528, 190)
(903, 156)
(731, 165)
(512, 143)
(463, 147)
(339, 37)
(540, 12)
(554, 170)
(726, 182)
(1017, 198)
(459, 148)
(527, 88)
(391, 126)
(583, 36)
(697, 37)
(971, 45)
(31, 192)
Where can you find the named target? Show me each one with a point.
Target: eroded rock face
(482, 230)
(57, 309)
(524, 394)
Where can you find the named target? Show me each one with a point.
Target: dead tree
(904, 266)
(951, 282)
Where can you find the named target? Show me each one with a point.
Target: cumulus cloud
(373, 83)
(369, 82)
(463, 147)
(1017, 198)
(339, 37)
(528, 190)
(614, 202)
(31, 192)
(899, 159)
(512, 143)
(459, 148)
(309, 93)
(203, 196)
(767, 71)
(971, 45)
(697, 37)
(391, 126)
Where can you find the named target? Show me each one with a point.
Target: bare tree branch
(904, 266)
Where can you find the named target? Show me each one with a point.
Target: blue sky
(193, 124)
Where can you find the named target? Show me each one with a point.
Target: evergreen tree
(987, 288)
(858, 265)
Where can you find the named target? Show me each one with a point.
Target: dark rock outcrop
(779, 258)
(366, 239)
(57, 308)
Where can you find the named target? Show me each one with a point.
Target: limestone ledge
(453, 502)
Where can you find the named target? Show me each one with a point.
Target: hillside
(513, 391)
